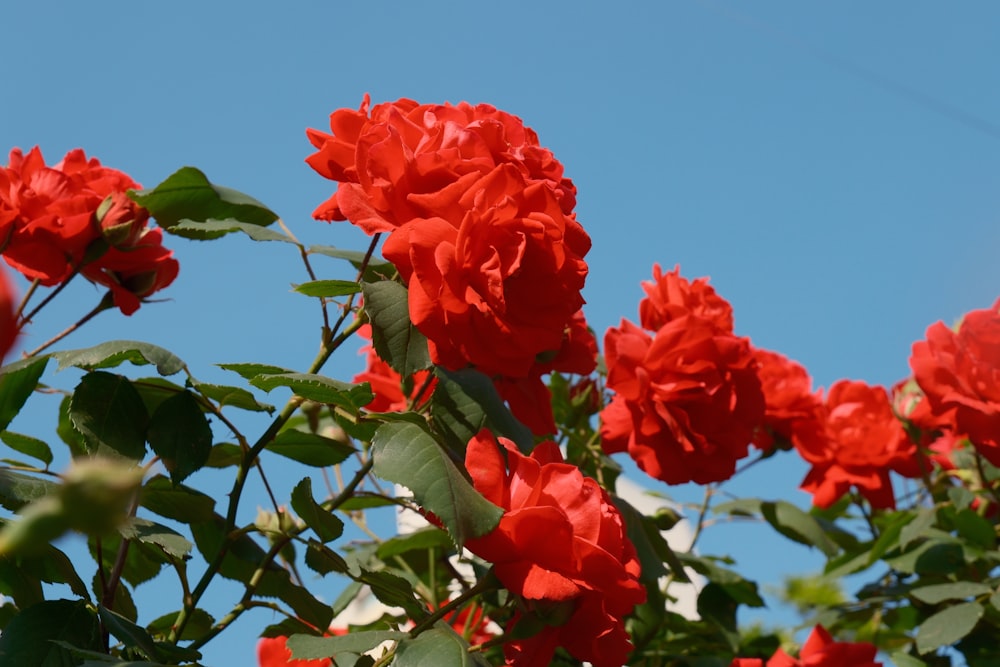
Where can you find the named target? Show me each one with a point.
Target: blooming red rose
(788, 396)
(687, 400)
(959, 372)
(273, 652)
(671, 295)
(386, 383)
(76, 215)
(8, 322)
(856, 442)
(561, 548)
(402, 160)
(497, 284)
(936, 435)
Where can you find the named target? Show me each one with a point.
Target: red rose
(857, 440)
(687, 400)
(820, 650)
(496, 284)
(671, 295)
(8, 322)
(561, 547)
(788, 397)
(76, 215)
(385, 382)
(272, 652)
(405, 160)
(959, 372)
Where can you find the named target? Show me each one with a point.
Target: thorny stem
(312, 274)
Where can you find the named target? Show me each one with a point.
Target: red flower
(76, 215)
(405, 160)
(687, 400)
(561, 547)
(496, 284)
(959, 372)
(385, 382)
(671, 296)
(788, 397)
(856, 442)
(272, 652)
(820, 650)
(8, 323)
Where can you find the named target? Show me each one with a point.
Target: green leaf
(406, 454)
(318, 388)
(466, 401)
(17, 381)
(67, 433)
(328, 288)
(180, 435)
(324, 560)
(959, 590)
(130, 634)
(18, 489)
(310, 448)
(307, 647)
(324, 523)
(393, 591)
(395, 338)
(154, 391)
(199, 623)
(975, 529)
(28, 638)
(187, 194)
(180, 503)
(115, 352)
(419, 540)
(234, 396)
(143, 561)
(651, 548)
(900, 659)
(799, 526)
(109, 413)
(224, 455)
(948, 626)
(251, 370)
(149, 532)
(213, 229)
(440, 645)
(916, 528)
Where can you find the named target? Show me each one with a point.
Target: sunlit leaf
(395, 338)
(406, 454)
(439, 645)
(187, 194)
(324, 523)
(114, 353)
(328, 288)
(305, 647)
(948, 626)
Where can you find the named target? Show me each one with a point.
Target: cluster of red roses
(75, 217)
(690, 396)
(482, 231)
(819, 651)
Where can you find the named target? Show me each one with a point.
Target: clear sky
(833, 167)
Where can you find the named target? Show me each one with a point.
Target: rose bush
(484, 407)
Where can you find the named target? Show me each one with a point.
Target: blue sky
(834, 168)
